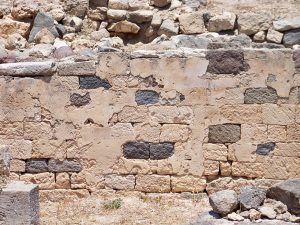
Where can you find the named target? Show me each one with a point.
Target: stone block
(171, 114)
(188, 184)
(244, 169)
(130, 114)
(224, 133)
(62, 181)
(161, 151)
(146, 97)
(242, 152)
(192, 23)
(252, 22)
(215, 152)
(136, 150)
(225, 168)
(174, 133)
(291, 37)
(17, 166)
(80, 100)
(277, 133)
(153, 183)
(291, 149)
(28, 69)
(260, 96)
(118, 182)
(5, 158)
(278, 114)
(46, 181)
(296, 57)
(85, 68)
(211, 168)
(67, 165)
(93, 82)
(265, 149)
(242, 113)
(36, 165)
(20, 204)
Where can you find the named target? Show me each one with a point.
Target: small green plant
(113, 204)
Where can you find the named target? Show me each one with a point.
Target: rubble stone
(224, 202)
(252, 197)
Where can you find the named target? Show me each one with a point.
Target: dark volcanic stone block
(161, 151)
(36, 166)
(260, 96)
(136, 150)
(265, 149)
(68, 165)
(224, 133)
(93, 82)
(226, 62)
(80, 100)
(145, 97)
(252, 197)
(296, 58)
(291, 37)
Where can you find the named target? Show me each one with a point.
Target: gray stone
(61, 29)
(224, 133)
(224, 202)
(195, 3)
(278, 206)
(296, 57)
(252, 197)
(68, 165)
(19, 204)
(5, 158)
(226, 62)
(136, 150)
(292, 37)
(63, 52)
(235, 217)
(267, 212)
(288, 192)
(36, 166)
(80, 100)
(161, 151)
(146, 97)
(168, 28)
(189, 41)
(287, 24)
(42, 20)
(260, 95)
(70, 68)
(140, 16)
(93, 82)
(28, 69)
(265, 149)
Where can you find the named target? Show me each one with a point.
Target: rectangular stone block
(215, 152)
(211, 168)
(277, 133)
(251, 170)
(17, 166)
(19, 204)
(46, 181)
(70, 68)
(254, 133)
(28, 69)
(68, 165)
(130, 114)
(174, 133)
(224, 133)
(260, 95)
(188, 184)
(242, 113)
(287, 149)
(171, 114)
(278, 114)
(153, 183)
(118, 182)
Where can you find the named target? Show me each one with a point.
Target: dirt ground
(133, 209)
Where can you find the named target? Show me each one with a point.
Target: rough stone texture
(192, 23)
(267, 212)
(153, 183)
(36, 166)
(80, 100)
(27, 69)
(226, 62)
(296, 58)
(120, 182)
(68, 165)
(145, 97)
(136, 150)
(93, 82)
(161, 151)
(265, 149)
(251, 22)
(224, 133)
(287, 192)
(188, 184)
(274, 36)
(124, 27)
(292, 37)
(252, 197)
(160, 3)
(224, 202)
(225, 21)
(77, 68)
(287, 24)
(168, 28)
(260, 96)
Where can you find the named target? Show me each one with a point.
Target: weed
(113, 204)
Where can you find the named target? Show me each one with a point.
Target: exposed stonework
(225, 133)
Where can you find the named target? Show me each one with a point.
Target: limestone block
(250, 22)
(242, 152)
(28, 69)
(188, 184)
(171, 114)
(274, 36)
(17, 166)
(11, 130)
(174, 133)
(120, 182)
(76, 68)
(20, 149)
(45, 181)
(215, 152)
(254, 133)
(153, 183)
(124, 27)
(291, 149)
(20, 204)
(168, 28)
(242, 113)
(245, 169)
(118, 4)
(277, 133)
(225, 168)
(107, 65)
(148, 132)
(278, 114)
(225, 21)
(62, 181)
(224, 133)
(211, 168)
(115, 14)
(192, 23)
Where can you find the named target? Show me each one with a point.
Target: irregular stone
(124, 27)
(224, 133)
(224, 202)
(9, 26)
(235, 217)
(36, 166)
(44, 36)
(75, 22)
(70, 68)
(76, 7)
(260, 36)
(267, 212)
(15, 41)
(226, 62)
(190, 41)
(252, 197)
(153, 183)
(118, 4)
(161, 151)
(260, 95)
(274, 36)
(24, 9)
(156, 20)
(225, 21)
(292, 37)
(287, 24)
(250, 23)
(296, 58)
(110, 43)
(57, 14)
(265, 149)
(288, 192)
(5, 158)
(93, 82)
(116, 14)
(63, 52)
(140, 16)
(254, 214)
(160, 3)
(168, 28)
(120, 182)
(146, 97)
(80, 100)
(278, 206)
(68, 165)
(41, 50)
(27, 69)
(192, 23)
(136, 150)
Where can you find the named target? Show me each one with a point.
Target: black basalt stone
(161, 151)
(93, 82)
(145, 97)
(136, 150)
(265, 149)
(36, 166)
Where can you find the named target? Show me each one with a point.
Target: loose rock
(252, 197)
(218, 23)
(224, 202)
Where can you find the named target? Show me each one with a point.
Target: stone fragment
(140, 16)
(211, 168)
(15, 41)
(68, 165)
(161, 151)
(74, 22)
(251, 22)
(156, 20)
(116, 14)
(168, 28)
(265, 149)
(292, 37)
(70, 68)
(252, 197)
(260, 95)
(36, 166)
(225, 168)
(288, 192)
(153, 183)
(9, 26)
(278, 206)
(287, 24)
(118, 4)
(188, 184)
(254, 214)
(44, 36)
(100, 34)
(124, 27)
(260, 36)
(274, 36)
(63, 52)
(93, 82)
(24, 9)
(267, 212)
(160, 3)
(118, 182)
(27, 69)
(226, 62)
(225, 21)
(235, 217)
(195, 4)
(224, 133)
(136, 150)
(146, 97)
(296, 57)
(224, 202)
(192, 23)
(80, 100)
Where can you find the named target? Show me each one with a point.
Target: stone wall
(172, 121)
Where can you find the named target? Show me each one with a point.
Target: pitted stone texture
(86, 68)
(24, 9)
(188, 184)
(296, 57)
(145, 97)
(136, 150)
(93, 82)
(27, 69)
(224, 202)
(161, 151)
(260, 96)
(287, 24)
(292, 37)
(252, 197)
(226, 62)
(80, 100)
(251, 22)
(224, 133)
(36, 165)
(265, 149)
(68, 165)
(118, 182)
(160, 3)
(192, 23)
(225, 21)
(153, 183)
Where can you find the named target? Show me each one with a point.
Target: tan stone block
(90, 179)
(43, 148)
(11, 130)
(148, 132)
(211, 168)
(62, 181)
(78, 181)
(215, 152)
(130, 114)
(153, 183)
(37, 130)
(107, 65)
(120, 182)
(255, 133)
(244, 169)
(171, 114)
(231, 96)
(174, 133)
(242, 113)
(144, 67)
(242, 152)
(20, 149)
(188, 184)
(71, 68)
(287, 149)
(293, 132)
(276, 133)
(278, 114)
(45, 181)
(131, 166)
(14, 177)
(61, 195)
(17, 165)
(225, 168)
